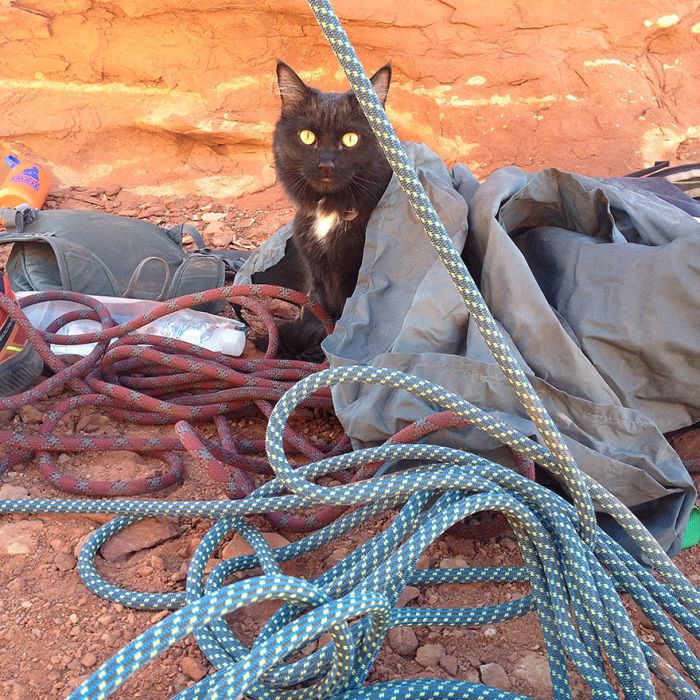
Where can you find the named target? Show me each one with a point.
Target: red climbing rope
(151, 380)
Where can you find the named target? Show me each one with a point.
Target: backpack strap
(15, 219)
(177, 232)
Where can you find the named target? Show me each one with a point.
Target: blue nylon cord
(574, 569)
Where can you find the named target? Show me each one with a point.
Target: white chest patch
(324, 224)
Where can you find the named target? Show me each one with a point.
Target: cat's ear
(380, 81)
(293, 90)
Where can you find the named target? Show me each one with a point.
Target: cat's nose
(327, 168)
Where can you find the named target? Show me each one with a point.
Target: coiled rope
(576, 572)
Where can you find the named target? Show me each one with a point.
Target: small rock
(221, 239)
(534, 670)
(30, 414)
(454, 563)
(91, 423)
(10, 491)
(6, 415)
(336, 556)
(79, 544)
(425, 562)
(247, 222)
(449, 664)
(19, 537)
(472, 676)
(88, 660)
(64, 562)
(128, 212)
(309, 648)
(238, 547)
(192, 668)
(154, 210)
(141, 535)
(510, 544)
(160, 615)
(430, 654)
(408, 594)
(213, 227)
(403, 641)
(213, 216)
(495, 676)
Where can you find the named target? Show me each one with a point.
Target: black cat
(331, 166)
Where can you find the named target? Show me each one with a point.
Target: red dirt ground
(54, 633)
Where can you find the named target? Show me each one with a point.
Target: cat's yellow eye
(350, 139)
(307, 137)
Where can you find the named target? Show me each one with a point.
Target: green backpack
(107, 255)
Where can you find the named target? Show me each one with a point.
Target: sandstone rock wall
(168, 97)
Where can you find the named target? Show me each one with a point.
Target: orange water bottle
(26, 183)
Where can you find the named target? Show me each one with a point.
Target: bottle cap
(232, 342)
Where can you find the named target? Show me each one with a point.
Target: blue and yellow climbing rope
(576, 571)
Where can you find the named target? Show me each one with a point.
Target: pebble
(88, 660)
(152, 211)
(141, 535)
(160, 615)
(454, 563)
(30, 414)
(336, 556)
(213, 216)
(192, 668)
(10, 491)
(221, 239)
(309, 648)
(20, 537)
(79, 544)
(449, 664)
(425, 562)
(213, 227)
(403, 641)
(91, 423)
(430, 654)
(238, 547)
(534, 669)
(494, 675)
(510, 544)
(64, 562)
(408, 594)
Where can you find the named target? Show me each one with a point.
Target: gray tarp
(596, 287)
